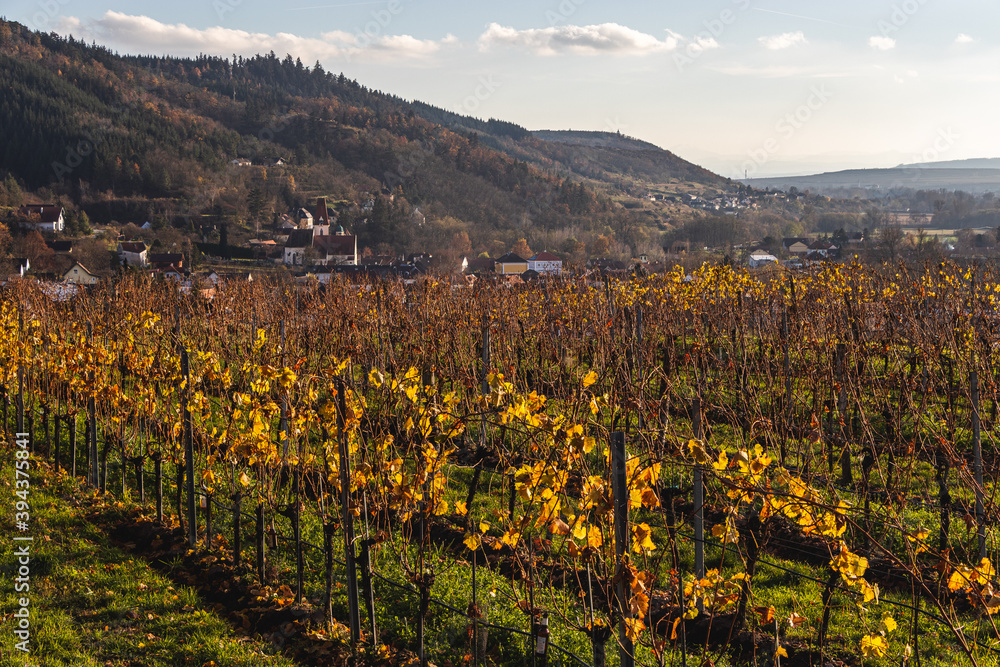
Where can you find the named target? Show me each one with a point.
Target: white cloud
(607, 38)
(964, 39)
(882, 43)
(784, 40)
(704, 43)
(141, 34)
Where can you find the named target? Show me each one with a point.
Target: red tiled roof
(545, 257)
(336, 245)
(321, 210)
(45, 212)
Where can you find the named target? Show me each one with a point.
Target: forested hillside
(134, 138)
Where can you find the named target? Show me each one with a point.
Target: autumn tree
(522, 249)
(32, 246)
(601, 246)
(93, 254)
(5, 240)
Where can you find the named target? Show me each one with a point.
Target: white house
(295, 247)
(760, 258)
(546, 264)
(132, 253)
(43, 217)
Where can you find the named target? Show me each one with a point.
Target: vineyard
(716, 468)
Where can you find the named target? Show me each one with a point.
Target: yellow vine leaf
(634, 628)
(698, 451)
(642, 538)
(888, 623)
(874, 646)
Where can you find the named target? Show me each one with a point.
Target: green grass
(94, 605)
(107, 605)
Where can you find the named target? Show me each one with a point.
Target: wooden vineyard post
(158, 483)
(93, 458)
(140, 478)
(297, 534)
(599, 633)
(188, 451)
(638, 365)
(672, 530)
(92, 462)
(846, 474)
(237, 499)
(474, 615)
(207, 500)
(368, 585)
(103, 472)
(347, 517)
(485, 385)
(259, 542)
(787, 403)
(328, 566)
(20, 378)
(45, 428)
(283, 423)
(57, 433)
(977, 453)
(699, 500)
(179, 496)
(620, 485)
(72, 423)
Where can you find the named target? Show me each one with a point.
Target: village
(309, 244)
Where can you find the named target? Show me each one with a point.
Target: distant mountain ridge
(931, 176)
(971, 163)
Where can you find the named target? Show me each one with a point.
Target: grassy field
(95, 605)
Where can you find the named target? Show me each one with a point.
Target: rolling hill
(241, 141)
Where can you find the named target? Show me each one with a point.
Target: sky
(742, 87)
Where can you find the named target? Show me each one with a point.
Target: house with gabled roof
(340, 248)
(545, 264)
(79, 275)
(511, 264)
(299, 241)
(759, 258)
(796, 245)
(823, 248)
(132, 253)
(42, 217)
